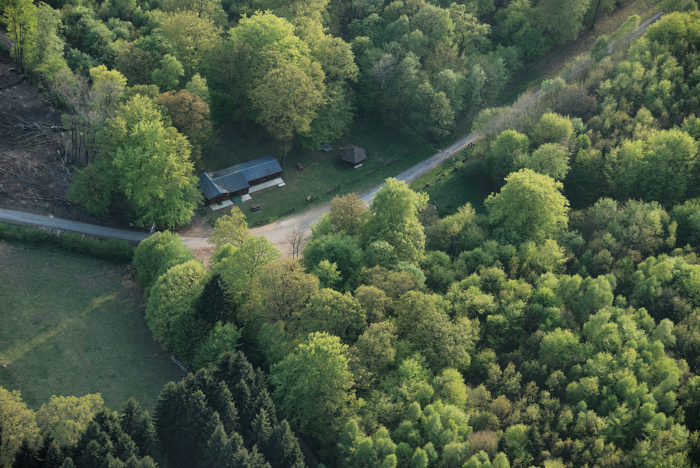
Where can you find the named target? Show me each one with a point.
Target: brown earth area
(33, 175)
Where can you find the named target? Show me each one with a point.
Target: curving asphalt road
(279, 231)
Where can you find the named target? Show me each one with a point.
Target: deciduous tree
(528, 207)
(313, 386)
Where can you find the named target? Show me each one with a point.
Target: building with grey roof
(237, 180)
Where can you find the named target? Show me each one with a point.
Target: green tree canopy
(394, 219)
(313, 386)
(528, 207)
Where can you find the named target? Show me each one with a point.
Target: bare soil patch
(32, 172)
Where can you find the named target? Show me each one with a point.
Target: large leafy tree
(528, 207)
(156, 175)
(313, 386)
(145, 161)
(394, 219)
(16, 424)
(174, 294)
(156, 255)
(286, 101)
(230, 229)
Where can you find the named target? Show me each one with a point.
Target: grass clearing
(71, 325)
(453, 184)
(388, 154)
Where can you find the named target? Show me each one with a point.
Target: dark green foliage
(110, 249)
(213, 305)
(137, 423)
(341, 249)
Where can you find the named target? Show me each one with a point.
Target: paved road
(279, 231)
(23, 217)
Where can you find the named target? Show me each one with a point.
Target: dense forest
(142, 84)
(559, 326)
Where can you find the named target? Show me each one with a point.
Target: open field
(71, 325)
(387, 155)
(451, 188)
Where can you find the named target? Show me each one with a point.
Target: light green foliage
(158, 253)
(335, 313)
(168, 74)
(222, 338)
(430, 331)
(348, 214)
(172, 296)
(327, 274)
(286, 101)
(559, 349)
(147, 162)
(65, 417)
(374, 351)
(45, 55)
(313, 386)
(231, 229)
(550, 159)
(528, 207)
(156, 175)
(198, 85)
(552, 128)
(450, 388)
(191, 35)
(374, 301)
(667, 171)
(237, 266)
(16, 424)
(108, 86)
(20, 18)
(394, 219)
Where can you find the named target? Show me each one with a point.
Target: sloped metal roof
(238, 177)
(251, 170)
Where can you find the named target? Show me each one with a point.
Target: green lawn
(387, 151)
(71, 325)
(453, 184)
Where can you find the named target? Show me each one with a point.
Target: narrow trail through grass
(71, 325)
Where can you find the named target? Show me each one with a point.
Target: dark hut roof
(352, 154)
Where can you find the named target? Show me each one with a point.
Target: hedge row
(110, 249)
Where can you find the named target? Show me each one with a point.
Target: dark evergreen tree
(260, 429)
(213, 305)
(218, 451)
(184, 423)
(27, 456)
(250, 459)
(264, 402)
(138, 424)
(51, 454)
(218, 397)
(282, 448)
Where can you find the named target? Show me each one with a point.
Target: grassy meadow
(71, 325)
(388, 153)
